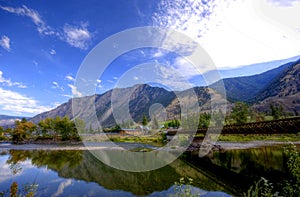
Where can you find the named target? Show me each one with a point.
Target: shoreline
(224, 145)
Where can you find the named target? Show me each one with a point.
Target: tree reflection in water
(82, 165)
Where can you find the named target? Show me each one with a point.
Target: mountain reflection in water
(78, 172)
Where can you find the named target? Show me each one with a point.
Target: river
(71, 171)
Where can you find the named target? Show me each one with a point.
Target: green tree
(81, 126)
(1, 130)
(144, 121)
(23, 120)
(177, 123)
(22, 131)
(46, 126)
(66, 128)
(240, 113)
(204, 120)
(218, 118)
(276, 111)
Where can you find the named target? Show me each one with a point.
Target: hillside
(284, 90)
(247, 88)
(139, 99)
(280, 85)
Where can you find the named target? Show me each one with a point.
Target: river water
(71, 172)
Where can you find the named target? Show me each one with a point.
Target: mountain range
(9, 120)
(278, 86)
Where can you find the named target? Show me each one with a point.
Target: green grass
(155, 139)
(257, 137)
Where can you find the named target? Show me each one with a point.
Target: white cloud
(159, 53)
(55, 85)
(154, 73)
(52, 52)
(20, 104)
(283, 3)
(67, 95)
(5, 43)
(135, 78)
(185, 68)
(70, 78)
(78, 37)
(74, 90)
(42, 28)
(20, 85)
(239, 32)
(62, 186)
(75, 36)
(98, 83)
(8, 82)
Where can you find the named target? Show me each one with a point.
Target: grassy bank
(153, 139)
(260, 137)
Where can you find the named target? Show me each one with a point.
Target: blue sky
(42, 44)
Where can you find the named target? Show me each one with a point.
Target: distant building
(139, 130)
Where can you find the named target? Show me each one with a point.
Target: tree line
(240, 113)
(59, 128)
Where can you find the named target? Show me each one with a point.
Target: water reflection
(77, 172)
(241, 168)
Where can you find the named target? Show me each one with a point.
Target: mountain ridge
(249, 89)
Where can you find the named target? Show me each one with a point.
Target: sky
(43, 44)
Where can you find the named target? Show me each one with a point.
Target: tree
(23, 130)
(1, 130)
(155, 122)
(276, 111)
(81, 126)
(218, 117)
(240, 112)
(204, 120)
(23, 120)
(46, 126)
(144, 121)
(66, 128)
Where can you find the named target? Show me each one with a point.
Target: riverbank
(218, 146)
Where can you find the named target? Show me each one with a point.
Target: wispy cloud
(55, 85)
(74, 90)
(78, 37)
(283, 3)
(42, 28)
(8, 82)
(185, 68)
(159, 53)
(5, 43)
(20, 104)
(98, 84)
(70, 78)
(52, 52)
(62, 186)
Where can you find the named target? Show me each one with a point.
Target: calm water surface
(78, 173)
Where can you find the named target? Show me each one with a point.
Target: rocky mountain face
(139, 99)
(279, 86)
(249, 89)
(284, 90)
